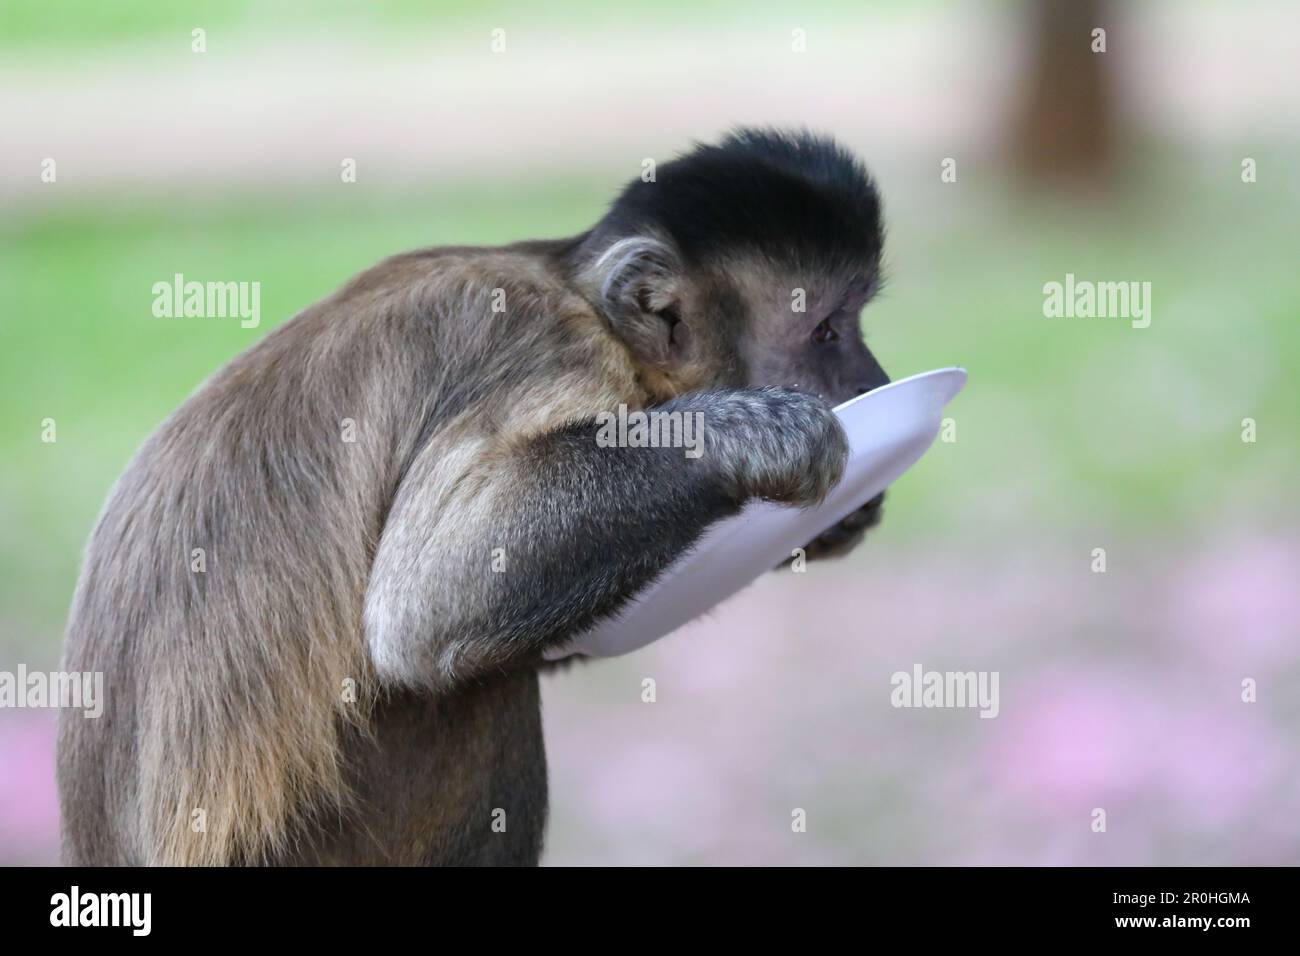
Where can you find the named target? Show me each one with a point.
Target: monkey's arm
(484, 566)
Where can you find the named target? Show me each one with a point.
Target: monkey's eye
(824, 333)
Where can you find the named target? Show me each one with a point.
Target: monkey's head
(743, 264)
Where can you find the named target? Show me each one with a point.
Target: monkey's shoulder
(470, 284)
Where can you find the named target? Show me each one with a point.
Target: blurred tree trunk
(1065, 125)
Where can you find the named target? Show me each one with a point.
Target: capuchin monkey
(321, 592)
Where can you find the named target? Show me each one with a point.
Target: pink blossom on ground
(29, 815)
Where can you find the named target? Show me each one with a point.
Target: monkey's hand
(535, 538)
(776, 444)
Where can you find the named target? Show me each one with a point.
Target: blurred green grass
(87, 23)
(1067, 425)
(90, 24)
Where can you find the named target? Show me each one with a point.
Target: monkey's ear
(638, 280)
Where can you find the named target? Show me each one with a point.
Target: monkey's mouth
(842, 537)
(868, 516)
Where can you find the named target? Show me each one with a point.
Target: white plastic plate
(888, 429)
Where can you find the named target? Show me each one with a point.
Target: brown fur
(350, 679)
(226, 688)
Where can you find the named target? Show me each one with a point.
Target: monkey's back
(222, 592)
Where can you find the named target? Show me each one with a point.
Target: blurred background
(491, 122)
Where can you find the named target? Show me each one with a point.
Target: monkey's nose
(872, 382)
